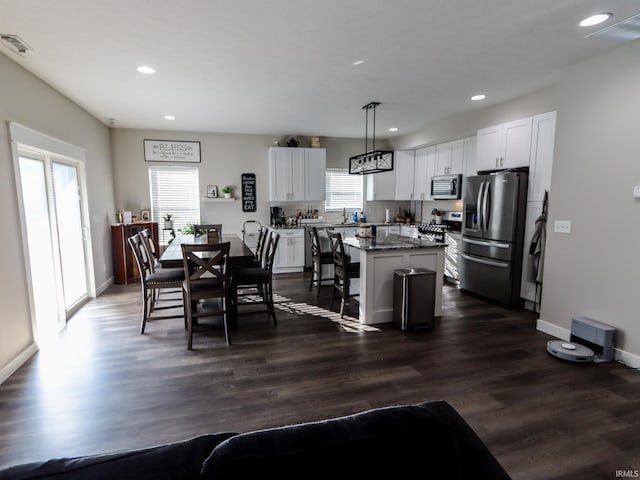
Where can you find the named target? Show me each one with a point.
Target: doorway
(49, 187)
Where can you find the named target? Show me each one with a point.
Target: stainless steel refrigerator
(493, 236)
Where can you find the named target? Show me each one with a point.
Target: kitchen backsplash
(376, 211)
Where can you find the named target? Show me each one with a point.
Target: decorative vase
(168, 224)
(227, 195)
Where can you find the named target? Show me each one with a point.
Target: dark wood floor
(104, 387)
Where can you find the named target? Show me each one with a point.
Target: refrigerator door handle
(478, 212)
(491, 263)
(486, 243)
(485, 213)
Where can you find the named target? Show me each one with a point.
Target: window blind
(343, 190)
(174, 191)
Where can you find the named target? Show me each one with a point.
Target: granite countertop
(389, 242)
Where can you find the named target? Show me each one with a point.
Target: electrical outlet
(562, 226)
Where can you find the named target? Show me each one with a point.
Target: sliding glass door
(55, 240)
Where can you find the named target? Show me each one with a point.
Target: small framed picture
(212, 191)
(145, 215)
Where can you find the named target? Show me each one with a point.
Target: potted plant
(227, 190)
(168, 223)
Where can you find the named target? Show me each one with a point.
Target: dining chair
(206, 276)
(152, 282)
(256, 282)
(343, 270)
(152, 253)
(318, 259)
(211, 230)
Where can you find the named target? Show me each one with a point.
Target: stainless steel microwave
(446, 187)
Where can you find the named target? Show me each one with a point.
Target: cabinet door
(382, 186)
(517, 144)
(443, 158)
(297, 176)
(425, 162)
(542, 145)
(488, 147)
(457, 157)
(279, 174)
(470, 157)
(314, 173)
(404, 174)
(296, 249)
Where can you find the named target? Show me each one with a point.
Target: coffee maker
(276, 216)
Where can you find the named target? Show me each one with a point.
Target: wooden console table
(125, 269)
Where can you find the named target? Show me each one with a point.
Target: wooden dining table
(239, 253)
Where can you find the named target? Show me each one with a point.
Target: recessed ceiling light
(169, 117)
(358, 62)
(595, 19)
(393, 129)
(480, 96)
(146, 69)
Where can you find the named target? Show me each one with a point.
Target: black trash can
(414, 298)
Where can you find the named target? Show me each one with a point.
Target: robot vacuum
(572, 352)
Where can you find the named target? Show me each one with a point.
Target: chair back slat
(337, 247)
(270, 250)
(141, 255)
(147, 242)
(206, 261)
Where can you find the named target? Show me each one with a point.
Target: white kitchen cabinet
(542, 146)
(315, 163)
(450, 157)
(405, 169)
(290, 251)
(424, 169)
(296, 174)
(382, 186)
(503, 146)
(470, 168)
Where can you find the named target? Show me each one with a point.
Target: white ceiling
(285, 66)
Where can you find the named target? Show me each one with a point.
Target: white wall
(225, 157)
(30, 102)
(593, 272)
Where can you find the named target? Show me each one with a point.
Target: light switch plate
(562, 226)
(636, 191)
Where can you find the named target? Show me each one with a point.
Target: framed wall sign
(248, 192)
(171, 151)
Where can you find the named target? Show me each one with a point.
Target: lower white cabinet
(290, 251)
(452, 256)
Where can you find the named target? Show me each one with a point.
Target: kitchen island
(379, 258)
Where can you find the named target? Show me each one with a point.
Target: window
(174, 191)
(343, 190)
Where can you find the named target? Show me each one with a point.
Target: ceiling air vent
(624, 31)
(15, 44)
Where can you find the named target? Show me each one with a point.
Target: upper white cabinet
(507, 145)
(382, 186)
(470, 167)
(296, 174)
(450, 157)
(404, 167)
(542, 146)
(315, 164)
(424, 169)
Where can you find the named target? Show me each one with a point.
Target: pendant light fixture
(372, 161)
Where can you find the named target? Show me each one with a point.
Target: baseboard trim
(629, 359)
(553, 330)
(17, 362)
(102, 287)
